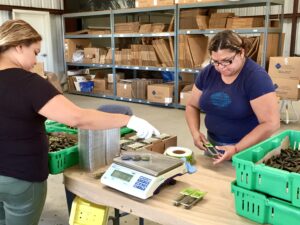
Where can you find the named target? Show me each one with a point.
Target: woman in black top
(26, 101)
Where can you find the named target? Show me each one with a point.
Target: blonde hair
(17, 32)
(228, 39)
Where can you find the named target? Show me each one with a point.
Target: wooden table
(216, 208)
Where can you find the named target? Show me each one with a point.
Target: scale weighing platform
(142, 179)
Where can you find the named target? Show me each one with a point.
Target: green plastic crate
(282, 213)
(263, 209)
(65, 158)
(50, 122)
(55, 128)
(60, 160)
(52, 126)
(125, 130)
(275, 182)
(250, 204)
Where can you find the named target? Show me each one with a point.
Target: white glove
(142, 127)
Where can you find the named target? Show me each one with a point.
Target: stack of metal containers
(97, 148)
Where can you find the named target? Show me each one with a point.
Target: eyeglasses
(223, 63)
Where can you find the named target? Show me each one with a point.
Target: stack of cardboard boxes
(153, 90)
(135, 88)
(102, 81)
(285, 74)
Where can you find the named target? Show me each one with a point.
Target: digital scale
(142, 179)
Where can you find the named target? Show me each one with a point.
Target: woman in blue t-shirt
(237, 96)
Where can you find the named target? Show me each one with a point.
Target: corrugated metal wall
(56, 27)
(275, 10)
(49, 4)
(4, 15)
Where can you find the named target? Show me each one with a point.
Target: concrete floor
(167, 120)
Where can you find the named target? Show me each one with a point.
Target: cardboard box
(192, 50)
(77, 79)
(157, 146)
(187, 77)
(53, 79)
(188, 18)
(185, 94)
(288, 89)
(161, 93)
(188, 23)
(98, 31)
(71, 45)
(131, 27)
(71, 84)
(285, 67)
(198, 47)
(216, 23)
(39, 69)
(184, 97)
(110, 77)
(244, 22)
(140, 86)
(161, 145)
(151, 3)
(219, 20)
(195, 1)
(170, 141)
(91, 55)
(143, 3)
(202, 22)
(100, 85)
(273, 46)
(124, 89)
(163, 2)
(110, 86)
(185, 1)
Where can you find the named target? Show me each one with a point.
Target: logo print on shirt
(278, 66)
(220, 99)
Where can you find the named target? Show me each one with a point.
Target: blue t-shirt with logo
(229, 116)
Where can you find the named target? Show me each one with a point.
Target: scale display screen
(121, 175)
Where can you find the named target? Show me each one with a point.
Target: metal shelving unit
(146, 68)
(175, 9)
(93, 65)
(88, 36)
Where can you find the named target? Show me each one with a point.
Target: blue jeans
(21, 202)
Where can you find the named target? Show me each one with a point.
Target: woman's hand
(199, 140)
(142, 127)
(230, 150)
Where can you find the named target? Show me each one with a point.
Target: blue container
(86, 86)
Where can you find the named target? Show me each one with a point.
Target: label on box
(168, 100)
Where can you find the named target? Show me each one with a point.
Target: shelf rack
(175, 9)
